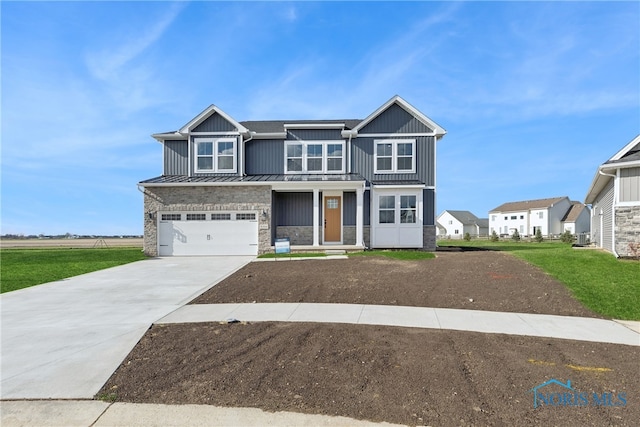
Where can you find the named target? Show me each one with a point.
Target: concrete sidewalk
(85, 413)
(536, 325)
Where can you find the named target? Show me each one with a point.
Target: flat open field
(70, 243)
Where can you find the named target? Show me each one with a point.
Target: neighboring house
(454, 224)
(551, 216)
(615, 198)
(231, 187)
(577, 220)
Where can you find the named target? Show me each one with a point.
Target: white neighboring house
(551, 216)
(615, 198)
(454, 224)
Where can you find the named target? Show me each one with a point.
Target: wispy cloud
(106, 63)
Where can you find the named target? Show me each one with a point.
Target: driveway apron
(65, 339)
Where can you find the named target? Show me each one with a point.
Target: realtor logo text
(568, 396)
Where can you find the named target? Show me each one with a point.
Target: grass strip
(22, 268)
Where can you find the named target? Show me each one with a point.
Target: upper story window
(314, 157)
(216, 154)
(395, 156)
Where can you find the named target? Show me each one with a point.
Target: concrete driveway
(65, 339)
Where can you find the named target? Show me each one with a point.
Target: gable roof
(573, 212)
(627, 157)
(210, 110)
(438, 130)
(528, 204)
(465, 217)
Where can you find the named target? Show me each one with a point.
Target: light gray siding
(264, 157)
(215, 123)
(362, 161)
(602, 218)
(314, 135)
(395, 120)
(176, 158)
(630, 185)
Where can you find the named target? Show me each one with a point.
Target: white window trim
(215, 142)
(325, 157)
(394, 155)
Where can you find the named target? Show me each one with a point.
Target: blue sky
(534, 96)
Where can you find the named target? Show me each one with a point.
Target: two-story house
(551, 216)
(231, 187)
(615, 198)
(454, 224)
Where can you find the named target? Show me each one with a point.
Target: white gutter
(243, 156)
(613, 210)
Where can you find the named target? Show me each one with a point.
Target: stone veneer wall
(627, 230)
(202, 198)
(429, 238)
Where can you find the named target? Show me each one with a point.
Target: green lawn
(21, 268)
(601, 282)
(405, 255)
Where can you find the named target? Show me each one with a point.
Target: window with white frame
(390, 213)
(407, 209)
(215, 154)
(387, 210)
(395, 156)
(314, 157)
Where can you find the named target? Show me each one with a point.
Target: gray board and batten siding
(215, 123)
(296, 208)
(395, 119)
(176, 158)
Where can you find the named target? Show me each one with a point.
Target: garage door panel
(208, 238)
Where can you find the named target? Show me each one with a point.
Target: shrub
(515, 236)
(567, 237)
(467, 236)
(538, 237)
(494, 236)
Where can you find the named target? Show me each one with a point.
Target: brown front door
(332, 219)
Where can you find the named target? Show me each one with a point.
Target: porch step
(335, 252)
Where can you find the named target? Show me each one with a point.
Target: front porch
(328, 249)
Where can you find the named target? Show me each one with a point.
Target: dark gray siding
(176, 155)
(349, 209)
(314, 134)
(264, 157)
(294, 209)
(366, 201)
(362, 161)
(395, 119)
(429, 207)
(214, 123)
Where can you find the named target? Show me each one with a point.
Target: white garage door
(207, 233)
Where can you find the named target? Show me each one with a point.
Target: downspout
(613, 212)
(243, 156)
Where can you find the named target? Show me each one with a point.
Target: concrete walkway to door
(64, 339)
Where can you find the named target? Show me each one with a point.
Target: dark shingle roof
(464, 217)
(272, 126)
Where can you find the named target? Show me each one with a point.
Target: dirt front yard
(401, 375)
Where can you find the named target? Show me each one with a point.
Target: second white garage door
(207, 233)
